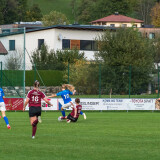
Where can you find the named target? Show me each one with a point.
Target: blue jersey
(1, 95)
(65, 95)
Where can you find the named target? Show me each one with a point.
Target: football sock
(34, 127)
(63, 113)
(60, 105)
(35, 122)
(6, 120)
(81, 113)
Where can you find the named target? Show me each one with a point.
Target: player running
(74, 115)
(67, 90)
(3, 108)
(34, 99)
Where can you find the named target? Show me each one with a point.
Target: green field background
(102, 136)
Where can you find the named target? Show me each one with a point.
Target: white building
(57, 37)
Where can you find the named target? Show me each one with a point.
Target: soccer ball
(59, 118)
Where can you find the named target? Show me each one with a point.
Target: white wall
(50, 37)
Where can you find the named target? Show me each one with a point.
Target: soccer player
(74, 115)
(34, 99)
(3, 108)
(67, 90)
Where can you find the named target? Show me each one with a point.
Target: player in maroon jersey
(74, 115)
(34, 98)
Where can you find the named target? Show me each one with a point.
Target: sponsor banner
(128, 104)
(46, 107)
(13, 103)
(104, 104)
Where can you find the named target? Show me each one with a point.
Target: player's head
(77, 100)
(64, 86)
(36, 84)
(68, 86)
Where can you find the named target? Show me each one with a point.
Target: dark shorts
(34, 111)
(72, 118)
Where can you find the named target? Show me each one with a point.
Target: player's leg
(3, 109)
(34, 122)
(34, 112)
(84, 115)
(67, 105)
(6, 119)
(71, 119)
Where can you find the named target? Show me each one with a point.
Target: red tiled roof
(2, 49)
(118, 18)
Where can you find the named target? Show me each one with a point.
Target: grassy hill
(63, 6)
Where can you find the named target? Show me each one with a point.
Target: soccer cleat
(8, 126)
(84, 115)
(33, 137)
(68, 121)
(39, 119)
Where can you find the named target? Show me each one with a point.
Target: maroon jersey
(79, 108)
(35, 97)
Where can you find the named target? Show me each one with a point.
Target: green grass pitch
(102, 136)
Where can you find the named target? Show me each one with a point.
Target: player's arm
(74, 92)
(25, 104)
(53, 95)
(75, 112)
(47, 101)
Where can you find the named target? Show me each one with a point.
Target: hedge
(15, 78)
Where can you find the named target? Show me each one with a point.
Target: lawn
(63, 6)
(102, 136)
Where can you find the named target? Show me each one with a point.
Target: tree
(13, 10)
(57, 60)
(3, 4)
(156, 43)
(14, 61)
(121, 50)
(10, 12)
(54, 18)
(90, 10)
(155, 15)
(143, 9)
(34, 13)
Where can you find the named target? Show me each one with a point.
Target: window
(94, 46)
(151, 35)
(112, 25)
(65, 44)
(86, 45)
(40, 43)
(124, 25)
(5, 31)
(11, 45)
(134, 25)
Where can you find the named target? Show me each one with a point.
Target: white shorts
(2, 106)
(67, 105)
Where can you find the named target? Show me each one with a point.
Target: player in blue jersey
(3, 108)
(67, 90)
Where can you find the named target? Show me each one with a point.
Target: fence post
(24, 62)
(130, 72)
(99, 80)
(1, 76)
(158, 83)
(34, 72)
(68, 72)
